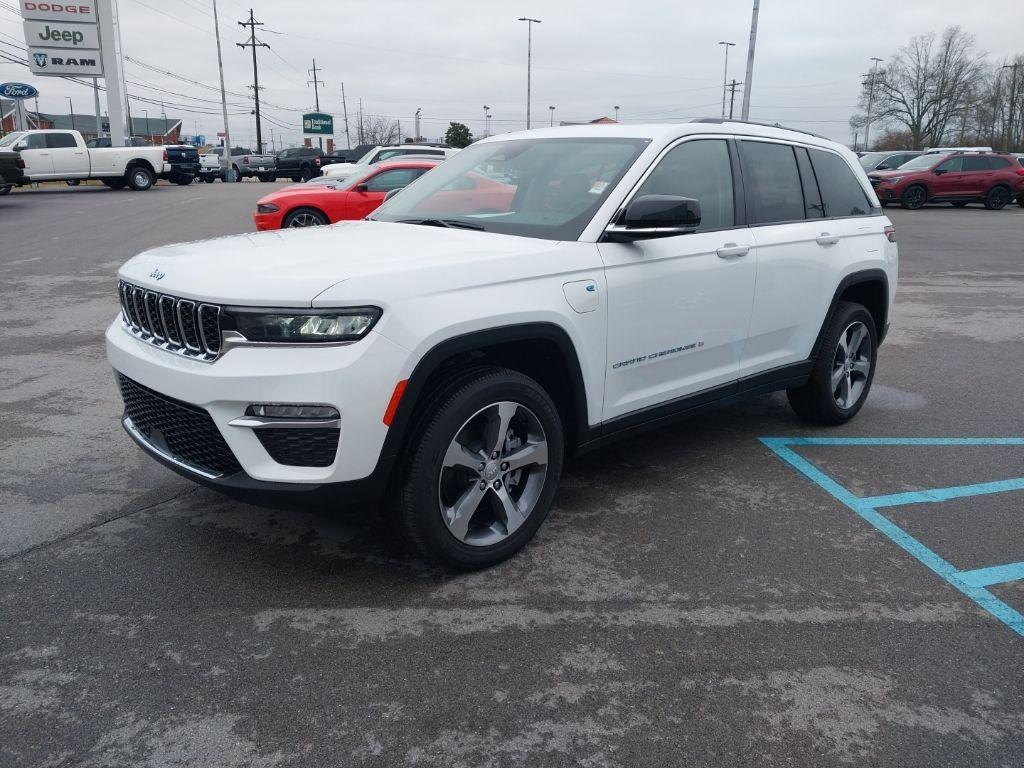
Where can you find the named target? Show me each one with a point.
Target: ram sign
(318, 124)
(65, 61)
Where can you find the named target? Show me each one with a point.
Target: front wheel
(304, 217)
(914, 197)
(843, 370)
(183, 181)
(306, 174)
(6, 189)
(140, 179)
(997, 198)
(209, 179)
(480, 471)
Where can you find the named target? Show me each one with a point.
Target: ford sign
(18, 91)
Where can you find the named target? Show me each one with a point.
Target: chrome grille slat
(172, 323)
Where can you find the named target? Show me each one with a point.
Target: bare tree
(929, 86)
(378, 130)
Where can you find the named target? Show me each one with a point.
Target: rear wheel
(307, 173)
(305, 217)
(183, 181)
(6, 189)
(914, 197)
(139, 178)
(843, 371)
(297, 179)
(997, 198)
(480, 471)
(265, 177)
(209, 179)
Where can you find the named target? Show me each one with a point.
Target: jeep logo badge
(156, 274)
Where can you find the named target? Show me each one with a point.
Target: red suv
(992, 178)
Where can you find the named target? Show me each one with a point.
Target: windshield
(871, 159)
(547, 188)
(365, 159)
(922, 162)
(11, 139)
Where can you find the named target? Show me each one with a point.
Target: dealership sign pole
(76, 39)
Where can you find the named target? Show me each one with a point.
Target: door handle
(731, 250)
(826, 239)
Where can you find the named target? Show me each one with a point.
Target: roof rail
(723, 121)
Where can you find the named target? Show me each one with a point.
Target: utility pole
(750, 61)
(229, 174)
(96, 106)
(344, 109)
(871, 101)
(72, 105)
(1013, 104)
(316, 95)
(360, 120)
(725, 74)
(418, 111)
(253, 43)
(732, 98)
(529, 56)
(486, 108)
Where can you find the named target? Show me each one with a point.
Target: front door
(679, 307)
(38, 162)
(948, 178)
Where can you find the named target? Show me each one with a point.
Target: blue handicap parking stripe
(971, 583)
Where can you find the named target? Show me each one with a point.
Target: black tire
(413, 504)
(140, 178)
(883, 203)
(114, 183)
(914, 197)
(306, 173)
(209, 179)
(265, 177)
(184, 181)
(997, 198)
(959, 204)
(297, 179)
(304, 217)
(816, 401)
(238, 173)
(6, 189)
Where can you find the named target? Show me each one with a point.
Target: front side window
(773, 180)
(953, 165)
(841, 193)
(385, 181)
(36, 141)
(921, 162)
(548, 188)
(701, 170)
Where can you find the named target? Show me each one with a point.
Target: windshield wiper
(448, 223)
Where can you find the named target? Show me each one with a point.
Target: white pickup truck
(55, 155)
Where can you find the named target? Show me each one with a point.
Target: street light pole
(485, 120)
(871, 101)
(725, 74)
(748, 84)
(551, 122)
(616, 108)
(72, 105)
(529, 56)
(228, 173)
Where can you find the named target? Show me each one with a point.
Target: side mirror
(362, 188)
(883, 167)
(656, 216)
(20, 146)
(391, 193)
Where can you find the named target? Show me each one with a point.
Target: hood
(296, 190)
(291, 267)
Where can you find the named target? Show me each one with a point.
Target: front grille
(300, 447)
(185, 431)
(172, 323)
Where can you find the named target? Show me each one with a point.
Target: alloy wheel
(492, 474)
(851, 365)
(305, 220)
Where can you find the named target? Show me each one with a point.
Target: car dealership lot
(693, 599)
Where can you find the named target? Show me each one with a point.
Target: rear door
(798, 254)
(69, 159)
(977, 175)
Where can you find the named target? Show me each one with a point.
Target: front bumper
(352, 378)
(267, 221)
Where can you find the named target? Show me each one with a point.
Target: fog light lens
(288, 411)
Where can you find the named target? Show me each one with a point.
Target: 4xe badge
(156, 274)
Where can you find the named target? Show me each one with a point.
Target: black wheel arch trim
(855, 278)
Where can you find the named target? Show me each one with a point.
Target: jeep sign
(70, 11)
(64, 61)
(62, 35)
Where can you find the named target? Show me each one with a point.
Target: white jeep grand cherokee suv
(537, 294)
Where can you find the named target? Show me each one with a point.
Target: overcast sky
(657, 60)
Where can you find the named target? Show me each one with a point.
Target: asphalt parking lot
(733, 591)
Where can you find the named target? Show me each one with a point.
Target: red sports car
(326, 201)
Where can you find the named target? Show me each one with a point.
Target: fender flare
(854, 278)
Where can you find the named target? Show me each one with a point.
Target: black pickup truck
(184, 160)
(12, 171)
(298, 163)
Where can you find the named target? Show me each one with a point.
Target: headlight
(301, 327)
(893, 180)
(266, 208)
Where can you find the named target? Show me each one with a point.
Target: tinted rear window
(771, 175)
(841, 193)
(60, 140)
(998, 162)
(977, 164)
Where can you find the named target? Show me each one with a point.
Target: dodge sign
(69, 11)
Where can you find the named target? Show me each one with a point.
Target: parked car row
(954, 176)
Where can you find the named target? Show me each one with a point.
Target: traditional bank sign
(62, 38)
(318, 124)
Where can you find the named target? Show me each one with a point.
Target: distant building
(156, 130)
(598, 121)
